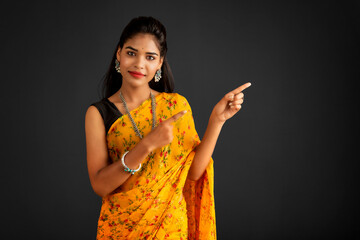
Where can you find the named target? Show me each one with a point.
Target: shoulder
(95, 110)
(103, 106)
(177, 100)
(98, 104)
(175, 97)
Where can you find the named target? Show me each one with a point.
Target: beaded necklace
(153, 107)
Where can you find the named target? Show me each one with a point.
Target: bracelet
(127, 169)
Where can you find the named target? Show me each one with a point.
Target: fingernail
(231, 96)
(185, 111)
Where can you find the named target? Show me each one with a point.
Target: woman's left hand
(229, 104)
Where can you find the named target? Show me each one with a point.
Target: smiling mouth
(137, 75)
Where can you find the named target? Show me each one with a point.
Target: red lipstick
(136, 74)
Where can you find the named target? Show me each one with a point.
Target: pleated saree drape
(159, 202)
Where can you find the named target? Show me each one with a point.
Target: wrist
(215, 121)
(146, 144)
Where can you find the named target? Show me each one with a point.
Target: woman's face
(139, 55)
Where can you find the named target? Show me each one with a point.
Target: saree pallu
(159, 202)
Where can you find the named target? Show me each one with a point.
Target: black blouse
(108, 111)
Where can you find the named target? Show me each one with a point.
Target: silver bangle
(126, 168)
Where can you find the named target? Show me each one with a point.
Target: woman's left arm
(227, 107)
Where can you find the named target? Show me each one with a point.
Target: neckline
(145, 101)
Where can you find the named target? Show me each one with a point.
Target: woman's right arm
(105, 177)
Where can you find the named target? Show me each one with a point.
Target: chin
(137, 83)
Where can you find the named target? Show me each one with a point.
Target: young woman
(144, 156)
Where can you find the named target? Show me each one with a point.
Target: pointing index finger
(176, 116)
(241, 88)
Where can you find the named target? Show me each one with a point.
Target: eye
(131, 53)
(151, 58)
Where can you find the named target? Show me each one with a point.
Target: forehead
(143, 42)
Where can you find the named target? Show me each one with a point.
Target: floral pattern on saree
(159, 202)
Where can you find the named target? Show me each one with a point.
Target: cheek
(154, 67)
(126, 62)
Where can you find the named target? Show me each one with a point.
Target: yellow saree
(159, 202)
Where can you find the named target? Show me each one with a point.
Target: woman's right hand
(162, 134)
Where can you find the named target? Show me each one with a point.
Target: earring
(117, 65)
(158, 75)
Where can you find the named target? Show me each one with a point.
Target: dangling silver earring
(117, 65)
(158, 75)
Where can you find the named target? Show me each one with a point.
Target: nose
(140, 61)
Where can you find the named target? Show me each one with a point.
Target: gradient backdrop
(286, 165)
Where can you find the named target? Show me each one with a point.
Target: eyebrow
(152, 53)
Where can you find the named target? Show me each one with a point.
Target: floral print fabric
(159, 202)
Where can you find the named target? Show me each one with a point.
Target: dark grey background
(285, 165)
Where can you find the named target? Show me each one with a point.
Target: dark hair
(112, 80)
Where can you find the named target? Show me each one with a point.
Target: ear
(118, 53)
(161, 62)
